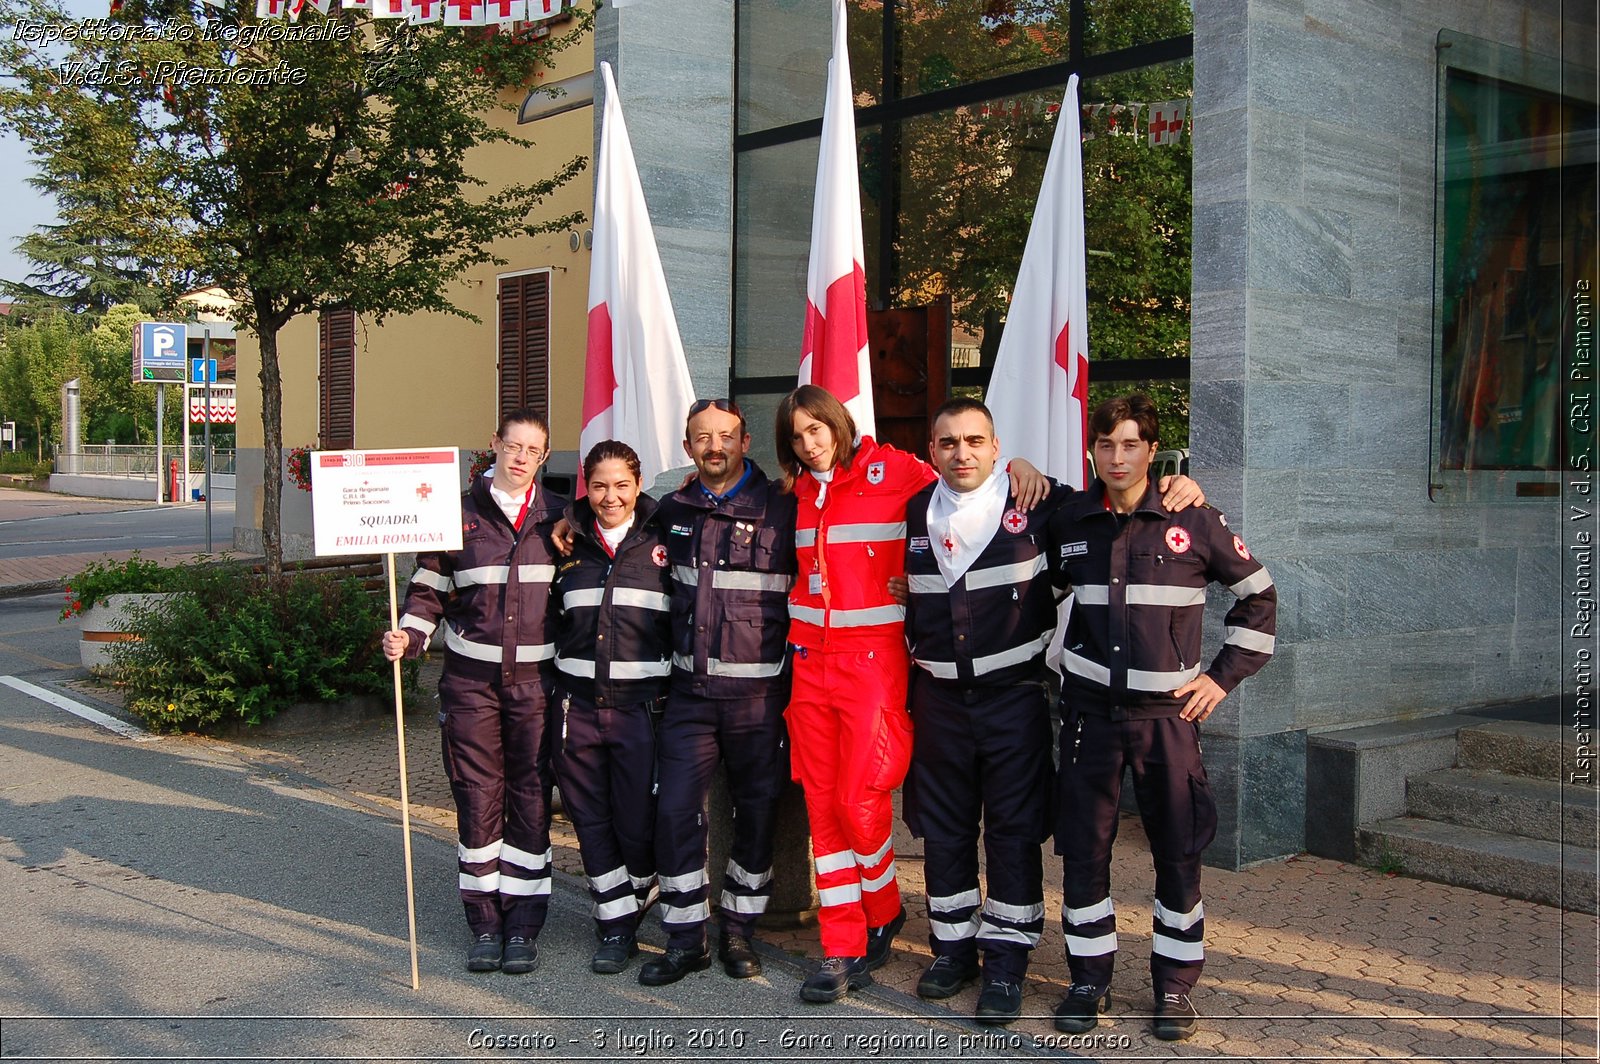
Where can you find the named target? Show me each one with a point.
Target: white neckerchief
(511, 504)
(614, 536)
(823, 479)
(961, 523)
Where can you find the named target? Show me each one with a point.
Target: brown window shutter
(525, 342)
(336, 380)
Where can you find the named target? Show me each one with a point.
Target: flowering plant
(300, 467)
(481, 461)
(98, 581)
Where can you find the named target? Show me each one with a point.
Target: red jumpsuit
(849, 730)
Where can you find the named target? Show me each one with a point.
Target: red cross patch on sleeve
(659, 555)
(1240, 548)
(1178, 539)
(1015, 522)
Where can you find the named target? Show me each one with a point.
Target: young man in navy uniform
(1134, 694)
(980, 617)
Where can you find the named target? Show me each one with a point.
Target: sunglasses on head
(727, 406)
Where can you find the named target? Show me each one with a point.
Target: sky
(26, 208)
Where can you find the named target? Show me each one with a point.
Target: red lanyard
(523, 513)
(601, 536)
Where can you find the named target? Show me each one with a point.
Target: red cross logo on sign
(875, 473)
(659, 556)
(1178, 540)
(949, 545)
(423, 491)
(1015, 521)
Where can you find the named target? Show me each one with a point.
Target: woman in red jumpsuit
(847, 719)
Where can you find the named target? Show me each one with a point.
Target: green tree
(294, 171)
(36, 361)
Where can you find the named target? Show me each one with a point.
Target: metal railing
(138, 460)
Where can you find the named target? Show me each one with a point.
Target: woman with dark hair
(490, 598)
(613, 662)
(849, 730)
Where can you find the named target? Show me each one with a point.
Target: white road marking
(93, 716)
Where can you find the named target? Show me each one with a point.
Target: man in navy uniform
(1135, 694)
(980, 616)
(730, 542)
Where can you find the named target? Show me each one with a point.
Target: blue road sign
(202, 371)
(160, 349)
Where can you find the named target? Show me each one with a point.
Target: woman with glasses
(490, 599)
(614, 640)
(849, 729)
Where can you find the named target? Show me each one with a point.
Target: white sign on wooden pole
(389, 502)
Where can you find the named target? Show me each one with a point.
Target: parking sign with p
(160, 351)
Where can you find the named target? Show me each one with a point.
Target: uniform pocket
(894, 749)
(1203, 808)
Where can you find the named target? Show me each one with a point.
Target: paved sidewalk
(1306, 958)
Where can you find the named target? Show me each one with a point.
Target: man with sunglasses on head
(730, 543)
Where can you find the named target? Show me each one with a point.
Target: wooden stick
(405, 798)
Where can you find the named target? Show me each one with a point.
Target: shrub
(21, 462)
(238, 646)
(97, 581)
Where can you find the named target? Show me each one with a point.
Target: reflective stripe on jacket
(1140, 582)
(615, 615)
(993, 626)
(487, 603)
(849, 548)
(732, 567)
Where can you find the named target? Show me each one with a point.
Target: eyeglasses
(727, 406)
(517, 450)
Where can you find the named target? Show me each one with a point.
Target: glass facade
(952, 134)
(1515, 181)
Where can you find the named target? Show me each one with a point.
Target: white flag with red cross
(1039, 393)
(833, 351)
(419, 12)
(390, 8)
(357, 5)
(543, 9)
(636, 385)
(1166, 122)
(463, 12)
(501, 12)
(270, 9)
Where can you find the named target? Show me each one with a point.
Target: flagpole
(405, 797)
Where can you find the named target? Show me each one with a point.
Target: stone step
(1515, 867)
(1518, 748)
(1512, 805)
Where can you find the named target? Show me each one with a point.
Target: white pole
(405, 799)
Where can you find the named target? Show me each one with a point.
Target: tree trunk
(271, 447)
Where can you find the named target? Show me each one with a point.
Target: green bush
(98, 581)
(236, 646)
(22, 462)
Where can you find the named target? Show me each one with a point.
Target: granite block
(1216, 414)
(681, 195)
(1277, 153)
(1220, 163)
(1265, 702)
(1296, 71)
(1298, 249)
(1414, 344)
(1223, 762)
(1428, 524)
(1394, 426)
(1297, 426)
(1218, 247)
(1269, 513)
(1314, 592)
(1372, 23)
(1431, 590)
(1272, 796)
(1221, 67)
(1538, 577)
(1321, 339)
(1217, 330)
(1352, 168)
(1330, 824)
(1393, 259)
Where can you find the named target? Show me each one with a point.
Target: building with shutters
(434, 379)
(1353, 277)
